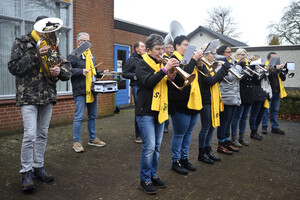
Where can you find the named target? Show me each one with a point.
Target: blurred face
(83, 38)
(169, 49)
(242, 55)
(228, 53)
(182, 47)
(211, 56)
(141, 49)
(272, 55)
(157, 52)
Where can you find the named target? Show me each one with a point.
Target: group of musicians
(223, 97)
(165, 88)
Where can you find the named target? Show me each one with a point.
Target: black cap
(40, 17)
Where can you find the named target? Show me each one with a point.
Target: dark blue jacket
(78, 79)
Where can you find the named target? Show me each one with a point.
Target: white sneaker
(78, 147)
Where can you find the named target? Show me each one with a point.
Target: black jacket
(130, 67)
(273, 78)
(206, 82)
(78, 79)
(246, 88)
(178, 99)
(147, 81)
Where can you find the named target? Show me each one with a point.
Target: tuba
(49, 26)
(176, 30)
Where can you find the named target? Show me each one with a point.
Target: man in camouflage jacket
(36, 96)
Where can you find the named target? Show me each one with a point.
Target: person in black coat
(129, 73)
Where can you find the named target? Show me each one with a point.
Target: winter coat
(32, 88)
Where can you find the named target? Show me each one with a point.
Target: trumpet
(188, 78)
(216, 65)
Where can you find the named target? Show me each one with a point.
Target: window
(17, 18)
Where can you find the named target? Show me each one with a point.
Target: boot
(230, 147)
(204, 157)
(235, 141)
(255, 135)
(211, 155)
(243, 141)
(223, 150)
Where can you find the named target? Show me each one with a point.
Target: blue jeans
(182, 132)
(207, 130)
(134, 94)
(256, 115)
(36, 120)
(152, 135)
(80, 104)
(226, 117)
(274, 107)
(240, 119)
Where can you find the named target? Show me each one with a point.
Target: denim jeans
(240, 119)
(207, 130)
(80, 104)
(256, 115)
(226, 117)
(36, 120)
(274, 107)
(134, 94)
(182, 132)
(152, 135)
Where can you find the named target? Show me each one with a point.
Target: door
(121, 54)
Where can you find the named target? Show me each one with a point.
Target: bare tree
(220, 21)
(288, 29)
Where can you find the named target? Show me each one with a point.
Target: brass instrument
(214, 67)
(52, 58)
(188, 78)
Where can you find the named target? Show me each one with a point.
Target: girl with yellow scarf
(212, 106)
(185, 106)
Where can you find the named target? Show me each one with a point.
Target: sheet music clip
(82, 48)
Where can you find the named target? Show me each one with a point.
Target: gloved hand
(227, 66)
(242, 64)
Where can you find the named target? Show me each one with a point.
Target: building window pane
(35, 8)
(8, 32)
(10, 8)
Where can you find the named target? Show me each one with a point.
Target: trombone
(188, 78)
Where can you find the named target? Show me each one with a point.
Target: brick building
(111, 38)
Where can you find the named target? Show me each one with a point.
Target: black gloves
(227, 66)
(242, 64)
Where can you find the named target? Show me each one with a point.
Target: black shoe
(211, 155)
(264, 130)
(187, 164)
(254, 135)
(166, 130)
(148, 187)
(156, 181)
(177, 167)
(27, 181)
(204, 157)
(277, 131)
(41, 174)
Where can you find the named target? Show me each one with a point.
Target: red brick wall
(96, 18)
(127, 38)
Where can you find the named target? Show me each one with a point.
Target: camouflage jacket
(31, 85)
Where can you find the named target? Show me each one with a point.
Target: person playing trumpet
(152, 109)
(36, 97)
(184, 106)
(212, 104)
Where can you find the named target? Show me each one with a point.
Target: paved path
(267, 169)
